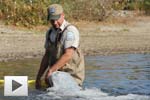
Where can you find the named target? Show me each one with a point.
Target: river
(124, 76)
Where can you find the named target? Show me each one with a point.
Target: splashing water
(65, 88)
(117, 77)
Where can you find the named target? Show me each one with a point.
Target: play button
(16, 86)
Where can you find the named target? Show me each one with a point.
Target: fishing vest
(75, 66)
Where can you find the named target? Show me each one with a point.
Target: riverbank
(116, 37)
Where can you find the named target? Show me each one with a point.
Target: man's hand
(38, 84)
(60, 63)
(48, 80)
(48, 74)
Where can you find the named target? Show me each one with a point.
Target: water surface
(117, 75)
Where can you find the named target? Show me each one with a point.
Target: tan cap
(54, 11)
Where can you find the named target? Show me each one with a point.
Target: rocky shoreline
(96, 39)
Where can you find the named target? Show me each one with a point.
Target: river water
(116, 77)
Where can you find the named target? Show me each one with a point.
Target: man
(62, 51)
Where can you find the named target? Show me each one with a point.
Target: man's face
(57, 23)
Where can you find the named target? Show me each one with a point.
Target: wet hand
(49, 73)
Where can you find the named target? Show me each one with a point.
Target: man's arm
(62, 61)
(43, 67)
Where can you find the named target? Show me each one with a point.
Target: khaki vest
(75, 66)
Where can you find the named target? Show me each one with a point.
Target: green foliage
(127, 4)
(24, 12)
(146, 5)
(119, 5)
(132, 5)
(139, 5)
(34, 12)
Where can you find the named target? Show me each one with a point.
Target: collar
(64, 24)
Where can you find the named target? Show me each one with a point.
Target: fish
(63, 81)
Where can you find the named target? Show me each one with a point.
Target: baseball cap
(54, 11)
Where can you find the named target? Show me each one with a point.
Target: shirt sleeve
(72, 38)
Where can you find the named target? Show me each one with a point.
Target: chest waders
(75, 66)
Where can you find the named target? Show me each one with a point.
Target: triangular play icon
(15, 85)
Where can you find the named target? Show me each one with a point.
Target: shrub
(24, 12)
(132, 5)
(33, 12)
(146, 7)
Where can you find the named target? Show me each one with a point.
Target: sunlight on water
(118, 77)
(65, 88)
